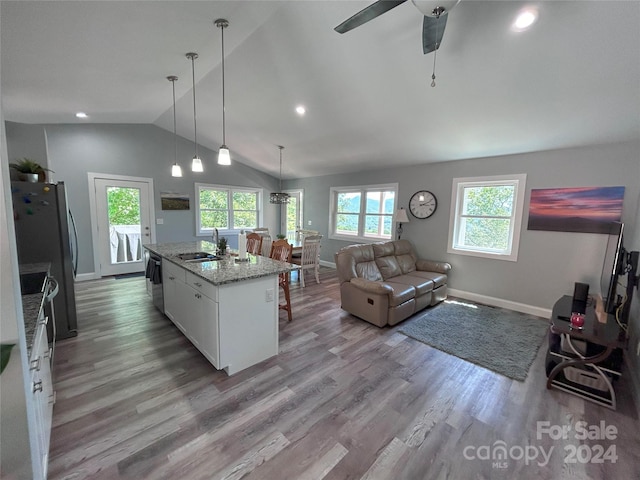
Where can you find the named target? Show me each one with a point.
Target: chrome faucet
(215, 238)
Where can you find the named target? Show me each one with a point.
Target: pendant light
(279, 197)
(224, 158)
(196, 163)
(176, 170)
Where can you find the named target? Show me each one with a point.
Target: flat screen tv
(613, 266)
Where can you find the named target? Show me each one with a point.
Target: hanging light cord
(193, 76)
(224, 142)
(281, 148)
(437, 13)
(175, 135)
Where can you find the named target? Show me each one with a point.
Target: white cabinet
(233, 325)
(172, 279)
(203, 324)
(42, 390)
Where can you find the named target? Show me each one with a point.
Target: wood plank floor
(343, 400)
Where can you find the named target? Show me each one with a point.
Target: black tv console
(584, 362)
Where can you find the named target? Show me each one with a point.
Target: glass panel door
(123, 225)
(291, 215)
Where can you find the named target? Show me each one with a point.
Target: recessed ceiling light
(525, 19)
(82, 115)
(300, 110)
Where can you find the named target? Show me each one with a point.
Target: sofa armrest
(370, 286)
(431, 266)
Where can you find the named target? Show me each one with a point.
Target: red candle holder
(577, 320)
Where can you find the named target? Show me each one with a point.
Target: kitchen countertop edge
(220, 272)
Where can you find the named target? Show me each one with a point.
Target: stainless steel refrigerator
(45, 232)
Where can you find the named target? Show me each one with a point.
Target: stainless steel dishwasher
(154, 276)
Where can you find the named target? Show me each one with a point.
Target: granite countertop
(32, 303)
(220, 272)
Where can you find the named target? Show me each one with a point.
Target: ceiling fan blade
(369, 13)
(432, 32)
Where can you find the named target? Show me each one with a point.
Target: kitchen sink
(198, 257)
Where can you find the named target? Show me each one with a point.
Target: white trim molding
(499, 302)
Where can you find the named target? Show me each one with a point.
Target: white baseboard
(83, 277)
(499, 302)
(324, 263)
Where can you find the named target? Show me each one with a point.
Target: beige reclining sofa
(385, 283)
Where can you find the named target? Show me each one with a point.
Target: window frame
(230, 190)
(518, 181)
(362, 190)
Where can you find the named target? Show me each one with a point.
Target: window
(486, 214)
(227, 208)
(363, 213)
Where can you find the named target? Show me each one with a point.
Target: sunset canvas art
(583, 209)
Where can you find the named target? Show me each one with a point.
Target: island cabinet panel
(186, 304)
(248, 313)
(233, 325)
(202, 286)
(228, 309)
(172, 275)
(201, 311)
(204, 328)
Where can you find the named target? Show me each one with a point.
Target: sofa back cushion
(405, 256)
(357, 261)
(386, 260)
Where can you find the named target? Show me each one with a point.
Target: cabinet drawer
(173, 270)
(202, 286)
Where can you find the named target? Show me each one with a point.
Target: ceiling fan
(435, 18)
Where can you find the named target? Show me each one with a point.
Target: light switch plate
(159, 221)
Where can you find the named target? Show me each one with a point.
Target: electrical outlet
(309, 223)
(269, 295)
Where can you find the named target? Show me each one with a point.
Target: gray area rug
(500, 340)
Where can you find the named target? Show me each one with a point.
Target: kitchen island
(227, 309)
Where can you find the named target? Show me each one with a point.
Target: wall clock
(423, 204)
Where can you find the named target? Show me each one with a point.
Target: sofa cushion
(369, 271)
(422, 285)
(403, 252)
(438, 279)
(401, 293)
(388, 266)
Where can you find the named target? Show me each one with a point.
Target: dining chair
(301, 233)
(266, 244)
(254, 243)
(309, 258)
(281, 251)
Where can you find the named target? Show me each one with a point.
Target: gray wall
(549, 263)
(634, 317)
(135, 150)
(26, 141)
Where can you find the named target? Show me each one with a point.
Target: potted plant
(30, 170)
(222, 246)
(281, 236)
(5, 353)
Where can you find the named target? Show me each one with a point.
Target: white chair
(301, 233)
(309, 258)
(261, 230)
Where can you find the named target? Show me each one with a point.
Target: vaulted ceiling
(573, 79)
